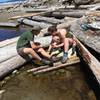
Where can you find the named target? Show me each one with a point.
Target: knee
(41, 50)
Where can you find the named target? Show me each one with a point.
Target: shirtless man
(65, 42)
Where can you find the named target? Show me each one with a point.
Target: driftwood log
(51, 9)
(10, 65)
(33, 23)
(46, 19)
(93, 63)
(10, 60)
(87, 37)
(8, 42)
(8, 24)
(69, 14)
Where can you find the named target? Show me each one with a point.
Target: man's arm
(57, 45)
(63, 33)
(34, 46)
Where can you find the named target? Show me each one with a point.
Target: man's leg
(44, 53)
(67, 43)
(32, 52)
(22, 54)
(65, 53)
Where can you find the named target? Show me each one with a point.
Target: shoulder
(62, 30)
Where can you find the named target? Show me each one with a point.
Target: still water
(10, 33)
(7, 1)
(64, 84)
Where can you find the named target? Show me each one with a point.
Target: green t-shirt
(24, 40)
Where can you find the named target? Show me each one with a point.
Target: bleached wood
(33, 23)
(93, 63)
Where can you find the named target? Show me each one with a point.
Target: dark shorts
(22, 54)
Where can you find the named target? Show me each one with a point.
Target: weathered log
(69, 14)
(58, 66)
(9, 51)
(87, 37)
(34, 14)
(33, 23)
(8, 42)
(95, 8)
(12, 60)
(93, 63)
(11, 64)
(25, 15)
(30, 10)
(82, 6)
(46, 19)
(8, 24)
(93, 13)
(66, 24)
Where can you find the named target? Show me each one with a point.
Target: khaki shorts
(22, 54)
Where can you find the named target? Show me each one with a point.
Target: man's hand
(54, 45)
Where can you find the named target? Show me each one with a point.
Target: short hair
(36, 28)
(52, 29)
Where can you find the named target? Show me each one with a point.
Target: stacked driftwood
(9, 59)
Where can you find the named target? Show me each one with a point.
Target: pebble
(15, 71)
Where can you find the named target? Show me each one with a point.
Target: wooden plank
(93, 63)
(57, 66)
(71, 58)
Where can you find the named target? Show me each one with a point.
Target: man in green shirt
(26, 46)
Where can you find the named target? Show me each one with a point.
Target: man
(26, 46)
(65, 42)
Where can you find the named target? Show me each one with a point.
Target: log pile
(10, 60)
(33, 23)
